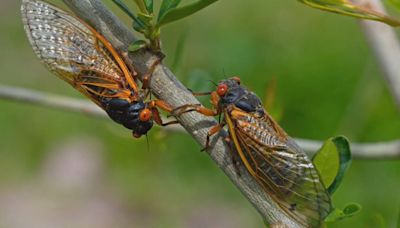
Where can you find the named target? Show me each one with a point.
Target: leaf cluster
(346, 7)
(149, 25)
(332, 161)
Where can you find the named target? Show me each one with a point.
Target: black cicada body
(79, 55)
(271, 157)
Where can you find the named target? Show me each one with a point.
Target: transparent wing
(282, 169)
(75, 52)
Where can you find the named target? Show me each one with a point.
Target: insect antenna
(214, 83)
(223, 72)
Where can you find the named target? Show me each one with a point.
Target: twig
(165, 86)
(376, 150)
(385, 44)
(50, 100)
(61, 102)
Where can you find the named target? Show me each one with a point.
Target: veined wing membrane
(75, 52)
(283, 171)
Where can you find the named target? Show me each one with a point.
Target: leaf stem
(142, 6)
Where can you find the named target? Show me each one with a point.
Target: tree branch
(384, 42)
(50, 100)
(368, 150)
(376, 150)
(165, 86)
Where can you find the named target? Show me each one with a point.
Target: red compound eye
(222, 89)
(145, 115)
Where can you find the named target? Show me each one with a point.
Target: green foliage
(346, 7)
(175, 14)
(327, 162)
(166, 6)
(145, 22)
(149, 5)
(349, 211)
(145, 5)
(138, 24)
(137, 45)
(343, 148)
(332, 162)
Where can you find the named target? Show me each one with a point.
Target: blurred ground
(59, 167)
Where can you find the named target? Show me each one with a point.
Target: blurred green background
(327, 83)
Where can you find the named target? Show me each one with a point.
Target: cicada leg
(205, 111)
(194, 107)
(147, 77)
(234, 156)
(154, 105)
(214, 130)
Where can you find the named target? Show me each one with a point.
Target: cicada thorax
(79, 55)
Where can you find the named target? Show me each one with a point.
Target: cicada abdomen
(79, 55)
(280, 167)
(270, 156)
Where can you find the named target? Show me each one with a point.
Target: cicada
(269, 155)
(81, 56)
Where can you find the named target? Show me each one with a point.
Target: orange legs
(199, 108)
(205, 111)
(194, 107)
(214, 130)
(153, 105)
(147, 77)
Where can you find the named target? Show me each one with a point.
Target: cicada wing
(73, 51)
(283, 170)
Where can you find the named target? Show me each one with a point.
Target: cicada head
(229, 90)
(139, 119)
(132, 115)
(232, 93)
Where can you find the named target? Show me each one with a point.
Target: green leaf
(343, 147)
(182, 12)
(124, 8)
(145, 6)
(166, 6)
(326, 161)
(332, 162)
(137, 45)
(141, 24)
(349, 211)
(137, 23)
(145, 18)
(345, 7)
(149, 5)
